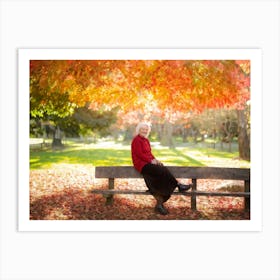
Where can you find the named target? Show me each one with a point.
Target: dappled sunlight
(109, 153)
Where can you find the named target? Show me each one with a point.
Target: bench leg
(247, 199)
(110, 197)
(193, 197)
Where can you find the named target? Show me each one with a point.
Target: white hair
(143, 124)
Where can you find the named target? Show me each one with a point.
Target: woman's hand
(157, 162)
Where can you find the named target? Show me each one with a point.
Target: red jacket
(141, 152)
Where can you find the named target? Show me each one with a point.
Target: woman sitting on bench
(160, 182)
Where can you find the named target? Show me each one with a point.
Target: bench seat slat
(178, 172)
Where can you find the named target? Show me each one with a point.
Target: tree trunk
(243, 138)
(184, 135)
(229, 145)
(166, 139)
(57, 137)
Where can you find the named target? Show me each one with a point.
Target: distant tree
(83, 121)
(97, 122)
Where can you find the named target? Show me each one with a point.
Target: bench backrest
(178, 172)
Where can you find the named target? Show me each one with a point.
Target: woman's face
(143, 131)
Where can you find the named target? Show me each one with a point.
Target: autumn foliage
(160, 86)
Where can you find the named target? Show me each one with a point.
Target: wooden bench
(193, 173)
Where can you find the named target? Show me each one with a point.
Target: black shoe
(161, 210)
(183, 188)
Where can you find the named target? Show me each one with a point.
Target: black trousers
(159, 180)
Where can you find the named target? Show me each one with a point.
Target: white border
(254, 224)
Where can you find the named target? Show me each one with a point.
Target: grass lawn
(113, 154)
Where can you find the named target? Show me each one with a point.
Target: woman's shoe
(161, 210)
(183, 188)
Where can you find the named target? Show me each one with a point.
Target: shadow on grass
(189, 160)
(104, 157)
(77, 205)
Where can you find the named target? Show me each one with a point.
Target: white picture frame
(255, 57)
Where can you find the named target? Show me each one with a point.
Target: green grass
(111, 154)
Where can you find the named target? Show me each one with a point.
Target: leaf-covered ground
(64, 192)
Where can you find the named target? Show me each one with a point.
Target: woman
(160, 182)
